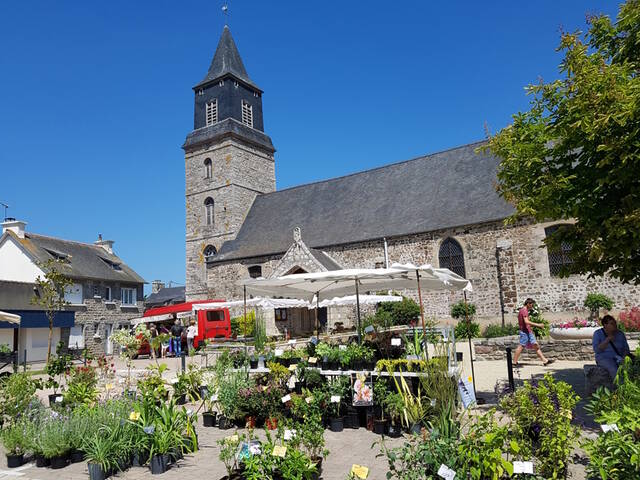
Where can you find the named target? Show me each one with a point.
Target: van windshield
(215, 315)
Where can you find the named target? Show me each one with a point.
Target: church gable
(300, 257)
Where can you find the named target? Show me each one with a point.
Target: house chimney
(106, 244)
(156, 286)
(16, 226)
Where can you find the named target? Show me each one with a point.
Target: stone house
(441, 209)
(106, 293)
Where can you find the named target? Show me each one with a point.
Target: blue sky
(96, 99)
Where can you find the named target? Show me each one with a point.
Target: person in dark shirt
(176, 338)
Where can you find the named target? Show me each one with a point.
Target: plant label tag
(278, 352)
(308, 399)
(342, 347)
(292, 341)
(173, 381)
(523, 467)
(214, 397)
(335, 398)
(292, 368)
(286, 398)
(432, 402)
(359, 471)
(446, 473)
(611, 427)
(59, 399)
(369, 329)
(313, 360)
(396, 342)
(289, 434)
(279, 451)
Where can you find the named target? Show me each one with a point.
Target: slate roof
(166, 295)
(228, 127)
(82, 260)
(442, 190)
(227, 61)
(326, 261)
(17, 296)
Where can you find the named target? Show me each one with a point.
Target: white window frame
(76, 340)
(128, 296)
(247, 113)
(212, 112)
(71, 296)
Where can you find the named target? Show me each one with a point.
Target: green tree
(49, 293)
(575, 154)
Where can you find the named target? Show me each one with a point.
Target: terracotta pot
(271, 423)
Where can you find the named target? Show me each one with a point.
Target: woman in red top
(527, 338)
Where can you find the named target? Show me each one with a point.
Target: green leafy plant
(101, 449)
(404, 312)
(595, 301)
(14, 439)
(496, 331)
(57, 367)
(17, 391)
(228, 449)
(535, 315)
(461, 310)
(467, 329)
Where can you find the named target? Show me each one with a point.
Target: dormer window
(221, 83)
(200, 91)
(59, 256)
(113, 265)
(212, 112)
(247, 114)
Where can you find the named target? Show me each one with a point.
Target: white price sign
(278, 352)
(446, 473)
(335, 398)
(342, 347)
(289, 434)
(396, 342)
(292, 341)
(611, 427)
(214, 397)
(286, 398)
(523, 467)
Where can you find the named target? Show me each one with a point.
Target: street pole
(466, 316)
(358, 310)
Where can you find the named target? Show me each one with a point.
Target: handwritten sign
(446, 473)
(359, 471)
(286, 398)
(335, 398)
(279, 451)
(523, 467)
(611, 427)
(313, 360)
(396, 342)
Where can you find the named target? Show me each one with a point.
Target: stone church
(441, 208)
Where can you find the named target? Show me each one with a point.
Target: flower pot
(336, 424)
(253, 363)
(55, 398)
(42, 461)
(224, 423)
(324, 365)
(60, 461)
(271, 423)
(95, 471)
(130, 394)
(14, 461)
(159, 464)
(380, 427)
(285, 362)
(76, 456)
(353, 420)
(416, 429)
(250, 422)
(298, 388)
(140, 459)
(209, 419)
(181, 400)
(318, 462)
(584, 333)
(394, 430)
(334, 365)
(294, 361)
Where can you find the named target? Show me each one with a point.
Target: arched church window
(255, 271)
(209, 251)
(208, 210)
(207, 168)
(559, 258)
(451, 256)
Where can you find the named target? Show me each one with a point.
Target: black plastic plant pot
(298, 388)
(253, 364)
(416, 428)
(334, 365)
(209, 419)
(181, 399)
(60, 461)
(224, 423)
(325, 364)
(76, 456)
(159, 464)
(41, 461)
(14, 461)
(96, 472)
(285, 362)
(139, 459)
(354, 419)
(55, 398)
(294, 361)
(380, 427)
(336, 424)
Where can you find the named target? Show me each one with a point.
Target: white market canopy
(261, 302)
(151, 319)
(352, 300)
(10, 317)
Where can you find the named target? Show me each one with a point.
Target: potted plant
(180, 388)
(210, 403)
(380, 394)
(228, 449)
(414, 410)
(55, 369)
(163, 440)
(55, 443)
(13, 439)
(395, 409)
(323, 350)
(338, 391)
(253, 361)
(100, 454)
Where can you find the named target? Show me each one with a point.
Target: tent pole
(466, 317)
(424, 328)
(244, 298)
(317, 313)
(358, 310)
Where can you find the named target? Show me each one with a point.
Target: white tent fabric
(351, 300)
(429, 275)
(261, 302)
(152, 318)
(10, 317)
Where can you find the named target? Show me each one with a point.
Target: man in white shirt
(192, 331)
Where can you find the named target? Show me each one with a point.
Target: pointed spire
(227, 61)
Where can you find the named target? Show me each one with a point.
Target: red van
(211, 323)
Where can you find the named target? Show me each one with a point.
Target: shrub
(495, 331)
(629, 320)
(402, 313)
(466, 329)
(244, 326)
(16, 393)
(596, 301)
(459, 310)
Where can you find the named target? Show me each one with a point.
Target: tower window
(208, 210)
(209, 251)
(221, 83)
(559, 259)
(200, 92)
(207, 168)
(451, 256)
(247, 114)
(255, 271)
(212, 112)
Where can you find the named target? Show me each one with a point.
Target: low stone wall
(495, 348)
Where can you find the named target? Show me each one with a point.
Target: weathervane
(225, 12)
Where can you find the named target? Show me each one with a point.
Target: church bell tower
(228, 160)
